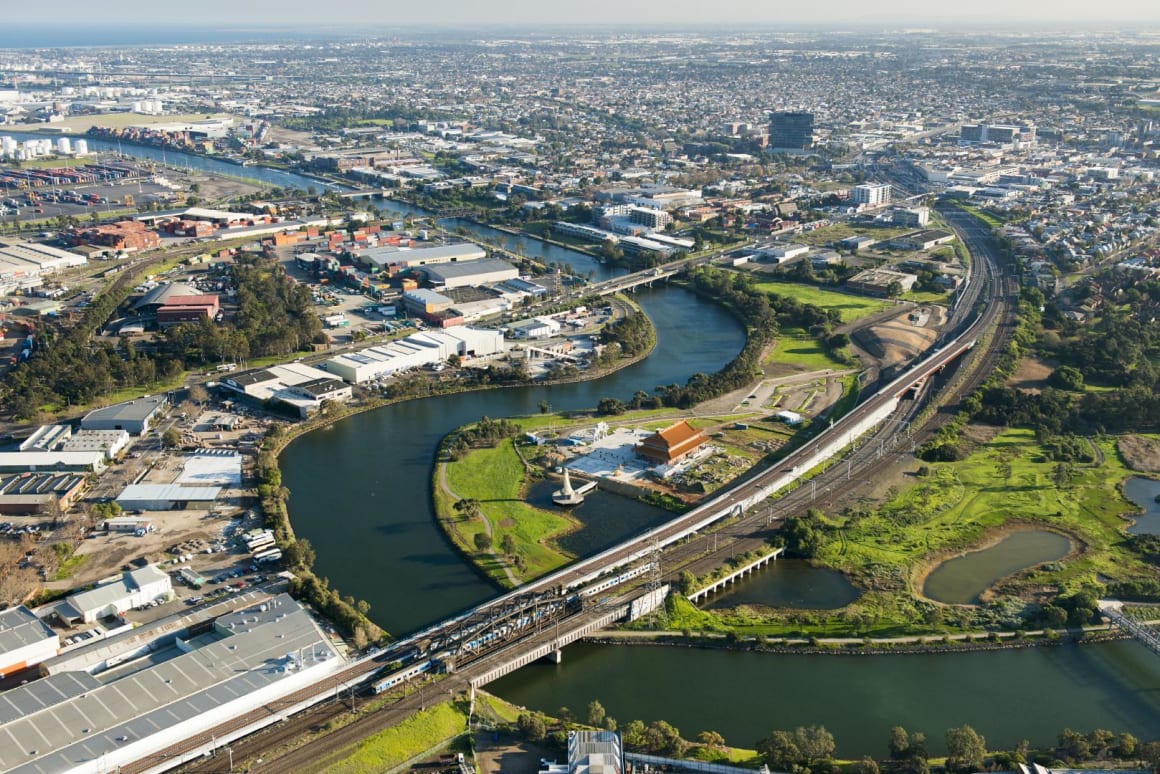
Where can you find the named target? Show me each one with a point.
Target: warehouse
(426, 302)
(380, 258)
(167, 497)
(110, 442)
(25, 640)
(296, 385)
(415, 351)
(52, 461)
(34, 493)
(463, 274)
(136, 416)
(24, 264)
(251, 658)
(878, 282)
(133, 589)
(922, 240)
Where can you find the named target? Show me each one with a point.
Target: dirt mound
(1142, 454)
(1031, 375)
(901, 338)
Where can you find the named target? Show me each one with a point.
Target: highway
(981, 303)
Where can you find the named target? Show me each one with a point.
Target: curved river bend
(361, 494)
(361, 490)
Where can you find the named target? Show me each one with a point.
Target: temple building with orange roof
(665, 447)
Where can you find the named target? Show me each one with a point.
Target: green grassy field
(849, 306)
(416, 735)
(805, 353)
(1007, 481)
(495, 479)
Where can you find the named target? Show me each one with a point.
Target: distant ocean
(85, 36)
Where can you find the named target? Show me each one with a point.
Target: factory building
(188, 309)
(167, 497)
(426, 302)
(35, 493)
(52, 461)
(135, 416)
(248, 659)
(923, 240)
(415, 351)
(877, 282)
(24, 264)
(111, 442)
(534, 328)
(296, 385)
(133, 589)
(25, 640)
(381, 258)
(462, 274)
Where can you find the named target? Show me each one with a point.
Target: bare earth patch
(1031, 376)
(981, 434)
(1142, 454)
(899, 340)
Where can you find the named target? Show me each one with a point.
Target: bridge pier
(557, 656)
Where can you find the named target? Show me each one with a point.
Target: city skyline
(603, 13)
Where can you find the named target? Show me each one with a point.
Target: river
(361, 490)
(361, 494)
(1008, 695)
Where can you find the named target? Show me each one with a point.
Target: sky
(606, 13)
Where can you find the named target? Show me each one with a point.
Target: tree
(966, 749)
(545, 407)
(482, 541)
(780, 751)
(687, 582)
(299, 555)
(711, 739)
(1074, 746)
(596, 714)
(866, 766)
(198, 394)
(533, 726)
(899, 743)
(507, 544)
(894, 289)
(171, 439)
(1126, 746)
(815, 742)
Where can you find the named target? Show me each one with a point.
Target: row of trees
(811, 748)
(68, 367)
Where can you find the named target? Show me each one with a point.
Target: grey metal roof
(255, 651)
(19, 627)
(444, 271)
(133, 411)
(168, 492)
(41, 694)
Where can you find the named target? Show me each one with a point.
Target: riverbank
(917, 644)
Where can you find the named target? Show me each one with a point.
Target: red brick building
(184, 309)
(671, 444)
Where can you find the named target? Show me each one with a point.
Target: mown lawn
(804, 353)
(414, 736)
(495, 479)
(850, 307)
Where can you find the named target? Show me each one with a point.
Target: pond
(1143, 492)
(606, 518)
(793, 583)
(961, 580)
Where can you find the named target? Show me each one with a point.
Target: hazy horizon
(369, 14)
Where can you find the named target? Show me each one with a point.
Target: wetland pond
(960, 581)
(1143, 492)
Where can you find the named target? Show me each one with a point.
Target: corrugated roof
(19, 627)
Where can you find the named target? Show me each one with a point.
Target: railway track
(751, 528)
